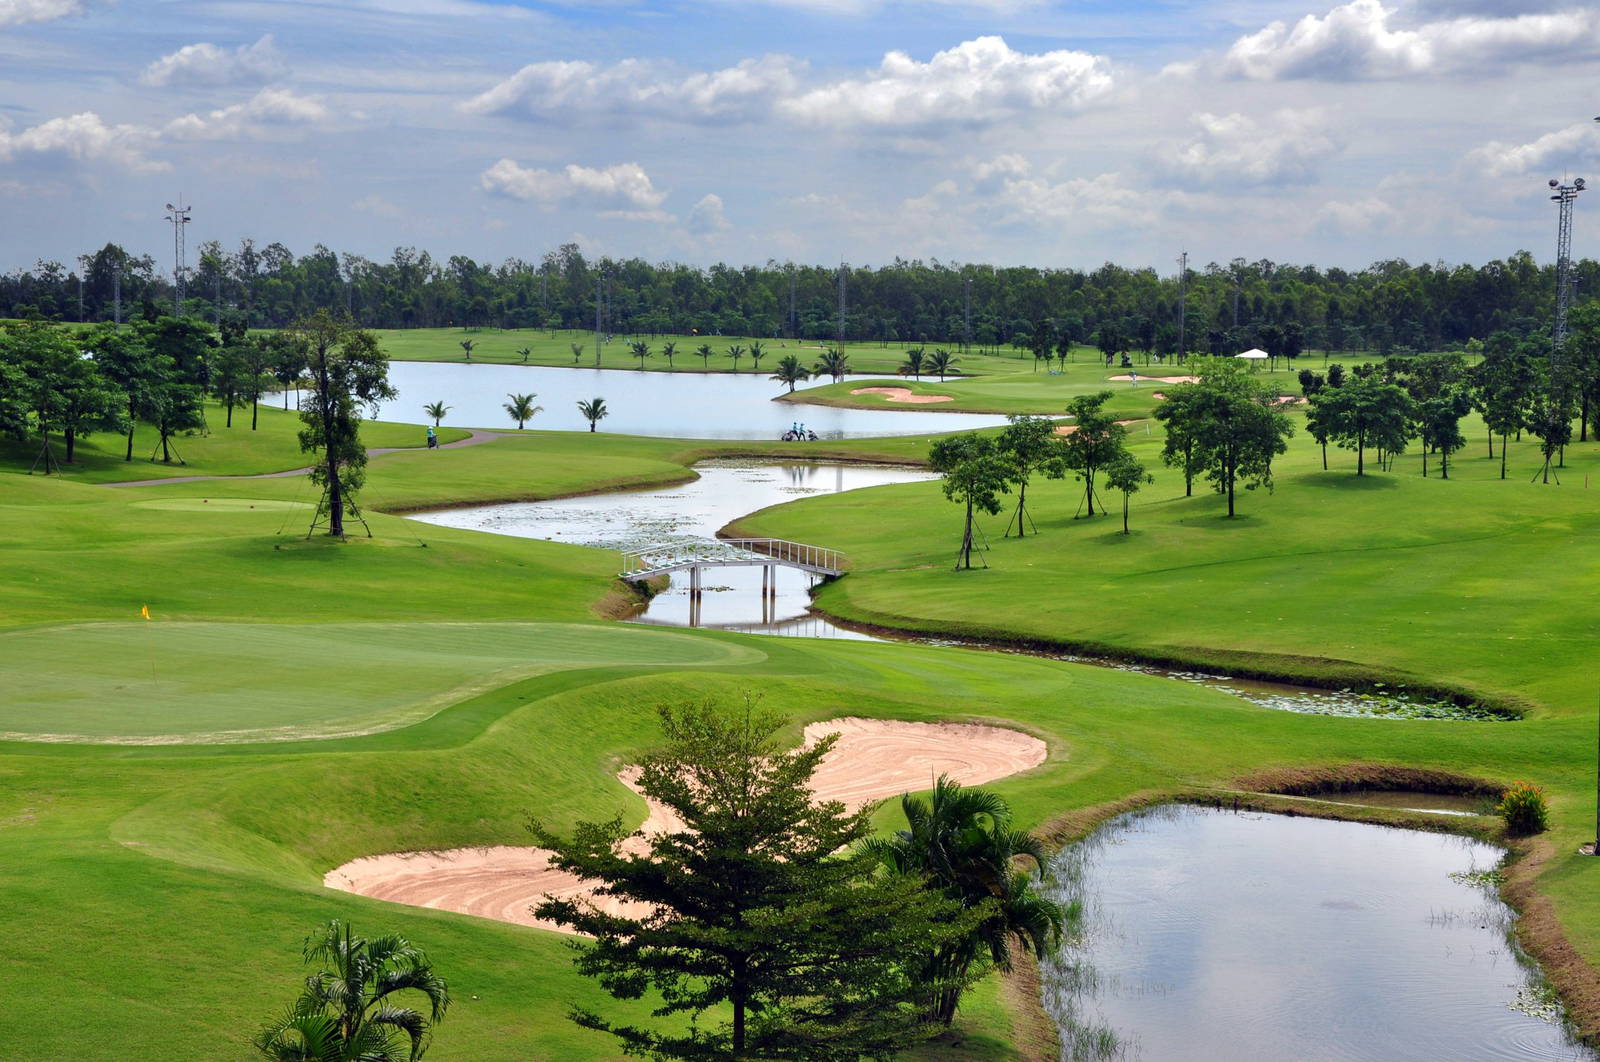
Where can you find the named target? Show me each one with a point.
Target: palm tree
(667, 351)
(593, 410)
(913, 364)
(522, 409)
(436, 410)
(705, 352)
(345, 1013)
(525, 351)
(467, 345)
(577, 352)
(833, 363)
(735, 352)
(790, 371)
(641, 350)
(941, 362)
(962, 842)
(757, 352)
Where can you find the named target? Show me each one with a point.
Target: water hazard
(1258, 938)
(676, 405)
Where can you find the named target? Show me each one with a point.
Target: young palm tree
(913, 364)
(705, 352)
(522, 409)
(941, 362)
(667, 351)
(790, 371)
(346, 1011)
(641, 350)
(577, 353)
(832, 363)
(736, 352)
(593, 410)
(525, 351)
(436, 410)
(467, 345)
(757, 352)
(962, 841)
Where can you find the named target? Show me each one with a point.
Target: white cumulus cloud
(706, 217)
(266, 109)
(1236, 149)
(976, 82)
(84, 137)
(207, 64)
(18, 12)
(1362, 40)
(624, 189)
(1564, 147)
(571, 90)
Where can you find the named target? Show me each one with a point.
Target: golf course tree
(466, 348)
(765, 915)
(361, 1005)
(1550, 420)
(127, 361)
(436, 411)
(1095, 441)
(594, 411)
(941, 362)
(1181, 448)
(736, 352)
(172, 406)
(521, 409)
(1042, 341)
(757, 352)
(1236, 423)
(1503, 388)
(577, 353)
(915, 362)
(704, 351)
(288, 363)
(345, 371)
(1439, 426)
(790, 371)
(1127, 475)
(961, 843)
(833, 363)
(63, 387)
(13, 403)
(1029, 445)
(525, 353)
(1582, 356)
(668, 350)
(975, 473)
(641, 350)
(1368, 410)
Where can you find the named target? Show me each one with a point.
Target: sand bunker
(873, 759)
(1162, 379)
(903, 394)
(1068, 429)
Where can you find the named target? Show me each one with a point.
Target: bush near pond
(1524, 809)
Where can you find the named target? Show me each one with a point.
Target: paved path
(474, 439)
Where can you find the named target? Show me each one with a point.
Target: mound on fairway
(195, 683)
(872, 760)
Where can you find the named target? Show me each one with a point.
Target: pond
(677, 405)
(694, 512)
(1209, 934)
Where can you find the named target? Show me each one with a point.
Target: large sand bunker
(1163, 379)
(903, 394)
(873, 759)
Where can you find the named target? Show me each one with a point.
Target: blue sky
(1025, 131)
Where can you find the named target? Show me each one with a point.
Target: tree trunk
(1088, 488)
(1324, 456)
(1444, 463)
(1022, 508)
(335, 500)
(1502, 455)
(1361, 453)
(1424, 462)
(1491, 444)
(72, 443)
(1188, 470)
(591, 425)
(166, 454)
(229, 400)
(1124, 512)
(255, 411)
(965, 558)
(1228, 475)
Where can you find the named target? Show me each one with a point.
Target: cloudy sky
(1031, 131)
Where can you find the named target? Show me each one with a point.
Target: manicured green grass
(157, 895)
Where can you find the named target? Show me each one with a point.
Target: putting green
(162, 682)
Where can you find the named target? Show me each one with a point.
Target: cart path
(477, 437)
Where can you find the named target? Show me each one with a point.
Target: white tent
(1254, 354)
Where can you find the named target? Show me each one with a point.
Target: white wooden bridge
(765, 553)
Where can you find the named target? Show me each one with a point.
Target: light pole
(179, 216)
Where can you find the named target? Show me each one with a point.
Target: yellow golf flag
(144, 610)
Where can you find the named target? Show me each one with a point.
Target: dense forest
(1389, 307)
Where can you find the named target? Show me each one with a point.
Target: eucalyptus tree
(1127, 475)
(351, 1009)
(915, 362)
(593, 411)
(347, 371)
(522, 409)
(790, 371)
(941, 362)
(1095, 440)
(975, 473)
(1030, 445)
(834, 363)
(963, 843)
(436, 410)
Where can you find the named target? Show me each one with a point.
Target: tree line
(1391, 306)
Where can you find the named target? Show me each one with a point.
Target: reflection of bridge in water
(768, 554)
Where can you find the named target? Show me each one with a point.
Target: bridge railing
(799, 553)
(649, 559)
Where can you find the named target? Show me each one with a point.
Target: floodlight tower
(179, 216)
(1566, 195)
(1183, 305)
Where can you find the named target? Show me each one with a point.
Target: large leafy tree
(63, 387)
(1030, 445)
(762, 909)
(1368, 410)
(350, 1010)
(127, 361)
(1181, 447)
(347, 372)
(1127, 475)
(962, 843)
(1237, 425)
(1095, 441)
(1439, 425)
(1503, 388)
(974, 473)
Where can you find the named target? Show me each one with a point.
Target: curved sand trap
(1068, 429)
(873, 759)
(903, 394)
(1162, 379)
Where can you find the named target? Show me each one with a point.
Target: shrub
(1524, 809)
